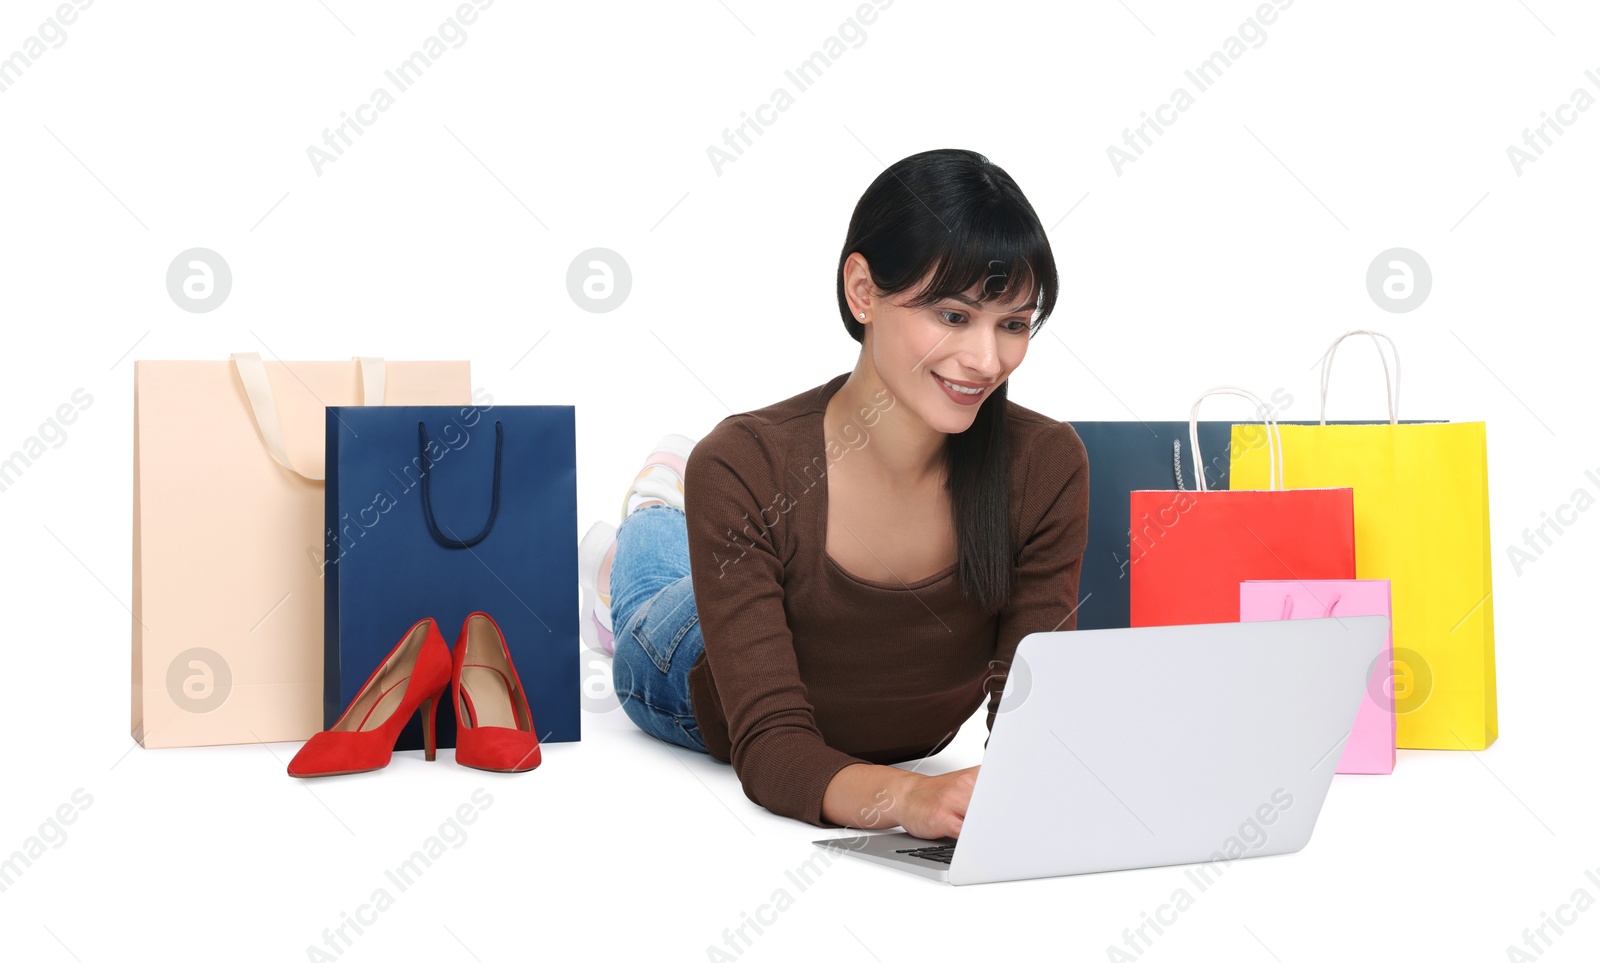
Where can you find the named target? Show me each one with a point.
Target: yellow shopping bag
(1422, 522)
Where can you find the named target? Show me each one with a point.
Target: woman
(835, 582)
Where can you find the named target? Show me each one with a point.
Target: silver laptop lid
(1124, 748)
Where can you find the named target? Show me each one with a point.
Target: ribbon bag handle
(427, 492)
(1288, 607)
(1274, 442)
(1391, 390)
(258, 391)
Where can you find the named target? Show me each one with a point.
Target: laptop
(1156, 746)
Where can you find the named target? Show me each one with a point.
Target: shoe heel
(429, 712)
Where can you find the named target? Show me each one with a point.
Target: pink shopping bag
(1370, 748)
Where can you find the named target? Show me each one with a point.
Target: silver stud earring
(862, 314)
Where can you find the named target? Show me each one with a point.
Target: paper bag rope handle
(1391, 390)
(427, 493)
(1274, 443)
(258, 390)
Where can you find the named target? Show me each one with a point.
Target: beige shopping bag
(229, 534)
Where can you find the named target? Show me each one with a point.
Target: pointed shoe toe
(494, 725)
(341, 753)
(410, 681)
(497, 749)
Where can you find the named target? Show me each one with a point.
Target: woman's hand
(935, 806)
(865, 796)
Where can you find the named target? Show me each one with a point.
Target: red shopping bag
(1191, 549)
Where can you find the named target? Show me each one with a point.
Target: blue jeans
(654, 625)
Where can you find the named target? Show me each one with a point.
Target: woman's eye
(956, 317)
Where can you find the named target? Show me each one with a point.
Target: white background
(1233, 251)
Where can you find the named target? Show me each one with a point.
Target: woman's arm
(735, 501)
(864, 796)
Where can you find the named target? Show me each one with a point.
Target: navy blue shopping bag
(1129, 456)
(1124, 457)
(444, 510)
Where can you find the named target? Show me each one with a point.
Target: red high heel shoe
(411, 678)
(494, 727)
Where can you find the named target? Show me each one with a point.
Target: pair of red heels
(494, 727)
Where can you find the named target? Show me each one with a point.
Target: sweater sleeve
(1056, 492)
(733, 503)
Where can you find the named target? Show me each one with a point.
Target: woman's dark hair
(955, 213)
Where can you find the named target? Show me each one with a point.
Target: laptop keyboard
(939, 854)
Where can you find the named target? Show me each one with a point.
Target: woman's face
(917, 350)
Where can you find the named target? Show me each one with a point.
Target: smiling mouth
(960, 389)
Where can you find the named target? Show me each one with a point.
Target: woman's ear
(858, 285)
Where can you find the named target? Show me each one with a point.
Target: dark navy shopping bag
(444, 510)
(1129, 456)
(1124, 457)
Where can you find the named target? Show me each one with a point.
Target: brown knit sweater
(808, 668)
